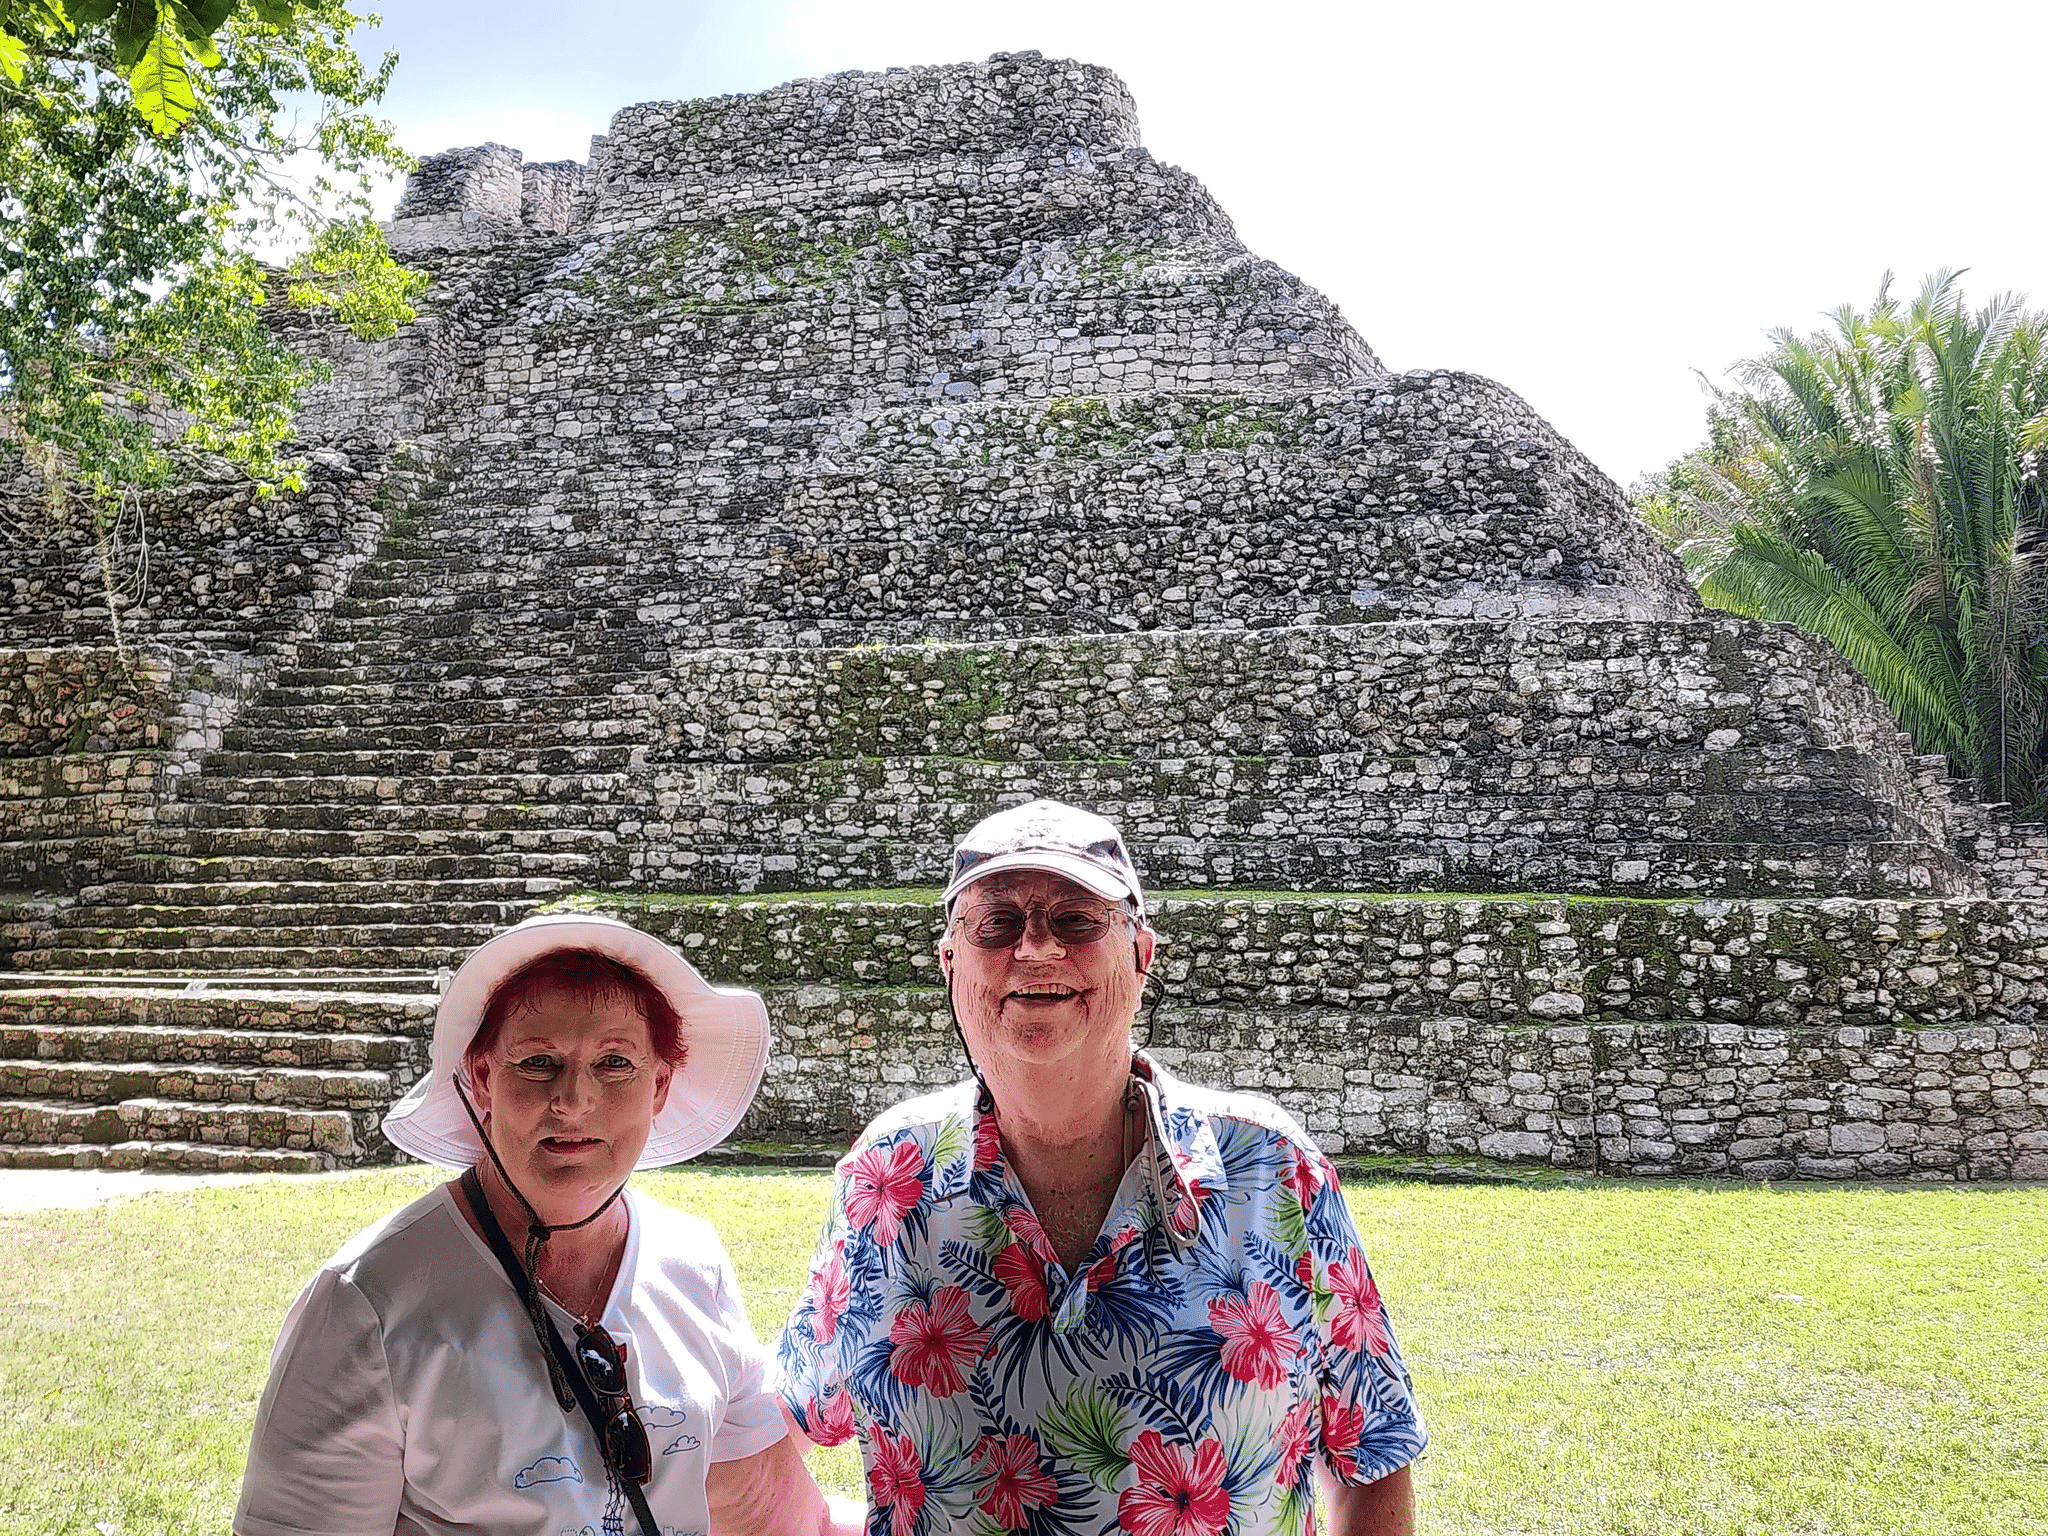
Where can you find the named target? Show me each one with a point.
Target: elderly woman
(533, 1348)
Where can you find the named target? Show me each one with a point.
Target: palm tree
(1876, 485)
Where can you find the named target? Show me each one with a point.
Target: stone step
(563, 726)
(456, 893)
(254, 952)
(1676, 798)
(332, 1132)
(388, 779)
(398, 1058)
(166, 1157)
(360, 832)
(101, 1082)
(170, 946)
(453, 757)
(359, 868)
(349, 905)
(264, 1008)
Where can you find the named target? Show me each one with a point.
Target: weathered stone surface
(760, 503)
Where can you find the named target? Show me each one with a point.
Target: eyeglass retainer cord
(537, 1234)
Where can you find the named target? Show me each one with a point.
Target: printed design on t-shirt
(658, 1416)
(549, 1469)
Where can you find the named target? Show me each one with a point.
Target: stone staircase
(225, 1076)
(789, 512)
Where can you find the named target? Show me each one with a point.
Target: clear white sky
(1593, 203)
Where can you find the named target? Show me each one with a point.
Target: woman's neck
(577, 1267)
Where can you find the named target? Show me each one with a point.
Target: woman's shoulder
(687, 1248)
(400, 1243)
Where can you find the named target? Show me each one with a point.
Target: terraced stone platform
(761, 503)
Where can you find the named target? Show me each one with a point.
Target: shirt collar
(1190, 1137)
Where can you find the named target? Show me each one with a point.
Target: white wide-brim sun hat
(725, 1030)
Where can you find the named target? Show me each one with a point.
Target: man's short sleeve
(327, 1457)
(1371, 1426)
(807, 1355)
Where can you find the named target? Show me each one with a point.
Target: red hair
(589, 977)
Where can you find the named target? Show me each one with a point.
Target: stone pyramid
(810, 473)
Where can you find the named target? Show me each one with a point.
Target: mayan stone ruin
(761, 502)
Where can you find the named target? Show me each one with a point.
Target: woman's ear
(478, 1075)
(664, 1077)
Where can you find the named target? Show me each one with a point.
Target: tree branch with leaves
(149, 151)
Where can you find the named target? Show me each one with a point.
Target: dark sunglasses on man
(1003, 924)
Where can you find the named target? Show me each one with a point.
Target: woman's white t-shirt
(407, 1393)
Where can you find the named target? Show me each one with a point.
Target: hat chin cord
(537, 1234)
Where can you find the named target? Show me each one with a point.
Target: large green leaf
(201, 18)
(13, 57)
(135, 27)
(1086, 1429)
(163, 84)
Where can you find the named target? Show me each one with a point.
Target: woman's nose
(574, 1088)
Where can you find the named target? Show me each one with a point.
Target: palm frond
(1766, 578)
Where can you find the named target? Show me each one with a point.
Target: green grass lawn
(1606, 1357)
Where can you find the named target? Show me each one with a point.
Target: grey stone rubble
(810, 472)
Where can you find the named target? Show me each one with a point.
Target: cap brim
(1075, 868)
(725, 1032)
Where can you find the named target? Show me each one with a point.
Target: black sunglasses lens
(602, 1367)
(1078, 927)
(1003, 927)
(631, 1453)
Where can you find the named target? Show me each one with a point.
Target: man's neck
(1063, 1135)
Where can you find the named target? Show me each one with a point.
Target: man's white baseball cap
(1059, 839)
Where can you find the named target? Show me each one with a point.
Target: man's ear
(1143, 943)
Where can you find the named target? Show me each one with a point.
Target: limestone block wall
(1011, 100)
(228, 570)
(90, 747)
(1813, 1039)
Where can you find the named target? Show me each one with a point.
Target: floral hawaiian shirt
(1165, 1395)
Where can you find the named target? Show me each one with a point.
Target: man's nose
(1038, 937)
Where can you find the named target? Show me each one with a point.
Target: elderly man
(1074, 1293)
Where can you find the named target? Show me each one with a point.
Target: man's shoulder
(1235, 1112)
(927, 1111)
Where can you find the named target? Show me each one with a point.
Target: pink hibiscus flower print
(936, 1345)
(1359, 1318)
(1297, 1440)
(882, 1186)
(1305, 1270)
(832, 1423)
(1343, 1425)
(1257, 1343)
(1179, 1491)
(1026, 1228)
(1023, 1275)
(988, 1143)
(1304, 1178)
(1104, 1269)
(829, 1292)
(1013, 1481)
(896, 1480)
